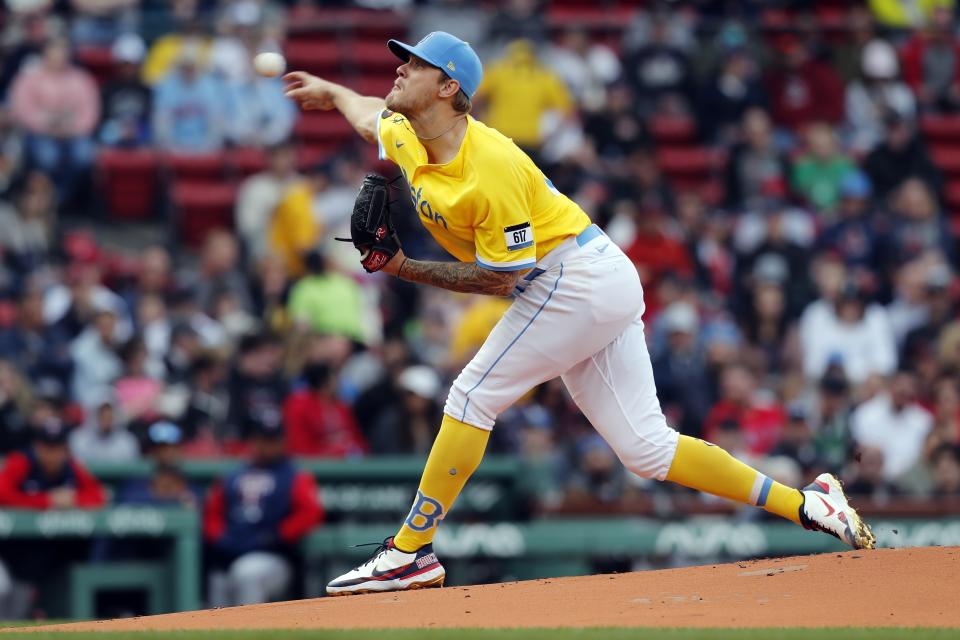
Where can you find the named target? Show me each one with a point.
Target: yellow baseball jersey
(490, 205)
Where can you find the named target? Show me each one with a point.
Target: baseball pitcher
(576, 312)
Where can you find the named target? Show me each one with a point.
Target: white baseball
(269, 64)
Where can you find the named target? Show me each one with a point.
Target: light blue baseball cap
(447, 52)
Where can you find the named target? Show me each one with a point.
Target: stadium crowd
(771, 183)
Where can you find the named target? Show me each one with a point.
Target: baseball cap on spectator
(879, 60)
(855, 184)
(164, 432)
(420, 380)
(447, 52)
(833, 381)
(772, 268)
(129, 48)
(681, 317)
(51, 431)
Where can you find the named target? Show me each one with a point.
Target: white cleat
(825, 508)
(391, 569)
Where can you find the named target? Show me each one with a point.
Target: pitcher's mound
(884, 588)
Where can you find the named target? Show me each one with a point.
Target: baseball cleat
(391, 569)
(825, 508)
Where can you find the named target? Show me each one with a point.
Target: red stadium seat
(129, 181)
(947, 159)
(953, 195)
(322, 127)
(673, 130)
(248, 160)
(373, 55)
(202, 207)
(689, 162)
(208, 167)
(320, 56)
(941, 129)
(98, 61)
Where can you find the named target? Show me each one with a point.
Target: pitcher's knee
(650, 455)
(471, 405)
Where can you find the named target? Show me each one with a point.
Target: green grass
(515, 634)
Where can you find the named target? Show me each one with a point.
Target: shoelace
(382, 547)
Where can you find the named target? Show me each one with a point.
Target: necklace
(448, 130)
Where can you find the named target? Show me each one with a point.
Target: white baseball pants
(578, 316)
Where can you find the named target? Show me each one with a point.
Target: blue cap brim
(403, 50)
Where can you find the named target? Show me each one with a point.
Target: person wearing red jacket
(254, 518)
(931, 63)
(317, 422)
(45, 476)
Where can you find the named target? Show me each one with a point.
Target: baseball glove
(371, 229)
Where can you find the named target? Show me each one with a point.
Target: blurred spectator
(853, 235)
(680, 371)
(206, 411)
(255, 385)
(126, 102)
(94, 354)
(595, 473)
(261, 193)
(466, 19)
(831, 420)
(755, 163)
(11, 150)
(40, 351)
(804, 89)
(894, 423)
(851, 332)
(849, 51)
(756, 413)
(518, 90)
(656, 251)
(766, 320)
(58, 105)
(517, 20)
(317, 423)
(167, 486)
(103, 437)
(728, 94)
(917, 227)
(271, 288)
(45, 476)
(293, 228)
(219, 273)
(896, 14)
(188, 40)
(327, 302)
(139, 386)
(616, 131)
(254, 518)
(471, 330)
(899, 156)
(409, 424)
(945, 463)
(931, 63)
(660, 72)
(258, 112)
(71, 305)
(189, 114)
(30, 224)
(100, 22)
(585, 66)
(876, 96)
(797, 442)
(16, 399)
(819, 173)
(868, 479)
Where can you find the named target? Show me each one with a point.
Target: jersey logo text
(423, 207)
(518, 236)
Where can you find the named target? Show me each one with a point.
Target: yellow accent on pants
(455, 455)
(708, 468)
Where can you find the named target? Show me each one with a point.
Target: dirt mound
(908, 587)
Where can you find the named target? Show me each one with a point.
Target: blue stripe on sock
(764, 492)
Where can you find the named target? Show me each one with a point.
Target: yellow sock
(455, 455)
(708, 468)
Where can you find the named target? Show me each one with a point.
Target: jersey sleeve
(503, 228)
(396, 141)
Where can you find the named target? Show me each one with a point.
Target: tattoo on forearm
(464, 277)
